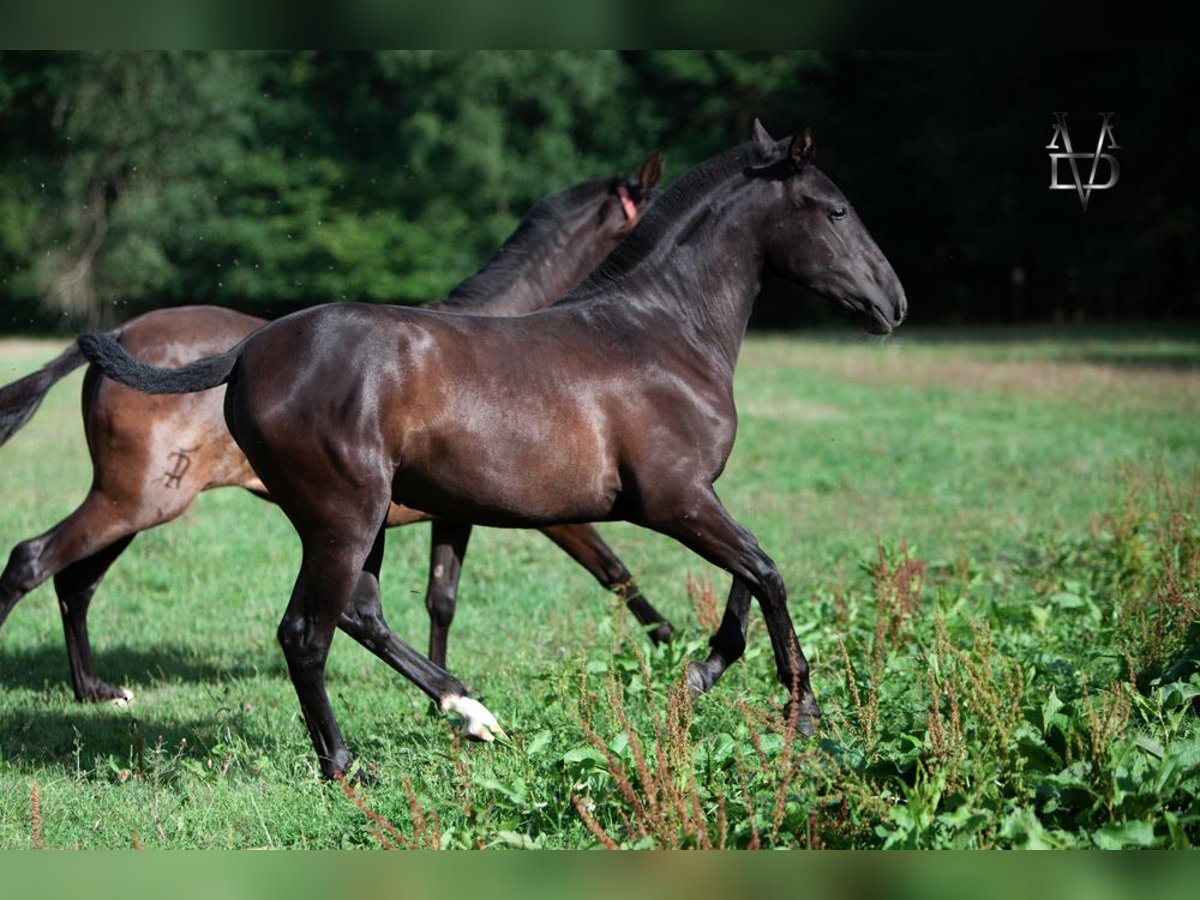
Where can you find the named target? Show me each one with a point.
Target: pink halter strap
(631, 211)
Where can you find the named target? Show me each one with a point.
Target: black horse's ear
(763, 140)
(802, 148)
(649, 176)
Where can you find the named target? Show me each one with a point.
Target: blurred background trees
(272, 180)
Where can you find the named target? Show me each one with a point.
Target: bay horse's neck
(542, 260)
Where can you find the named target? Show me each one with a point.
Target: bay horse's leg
(75, 586)
(584, 545)
(363, 620)
(581, 542)
(449, 547)
(704, 526)
(727, 645)
(91, 538)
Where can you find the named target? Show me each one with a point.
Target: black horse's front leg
(727, 645)
(363, 620)
(703, 525)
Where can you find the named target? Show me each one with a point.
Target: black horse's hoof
(699, 679)
(662, 634)
(806, 725)
(807, 714)
(358, 777)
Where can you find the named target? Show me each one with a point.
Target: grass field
(991, 545)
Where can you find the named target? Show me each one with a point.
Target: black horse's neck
(553, 248)
(692, 268)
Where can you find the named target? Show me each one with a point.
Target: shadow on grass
(45, 727)
(52, 730)
(72, 739)
(35, 669)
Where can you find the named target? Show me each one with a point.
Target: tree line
(267, 181)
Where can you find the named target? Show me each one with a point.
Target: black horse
(615, 403)
(151, 456)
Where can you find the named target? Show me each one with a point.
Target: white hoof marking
(478, 722)
(123, 701)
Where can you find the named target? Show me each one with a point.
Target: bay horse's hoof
(662, 634)
(106, 693)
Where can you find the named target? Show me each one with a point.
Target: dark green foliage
(268, 181)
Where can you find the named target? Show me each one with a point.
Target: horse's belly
(525, 483)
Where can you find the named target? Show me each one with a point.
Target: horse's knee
(288, 634)
(614, 576)
(773, 582)
(441, 602)
(765, 574)
(301, 646)
(441, 594)
(364, 625)
(25, 569)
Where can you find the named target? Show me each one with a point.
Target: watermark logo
(1061, 141)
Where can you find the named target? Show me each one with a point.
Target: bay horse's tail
(106, 354)
(21, 399)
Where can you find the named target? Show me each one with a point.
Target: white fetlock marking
(124, 700)
(478, 722)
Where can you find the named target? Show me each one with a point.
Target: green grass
(991, 547)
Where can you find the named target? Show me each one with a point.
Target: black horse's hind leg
(727, 645)
(584, 545)
(363, 620)
(449, 548)
(328, 575)
(75, 586)
(338, 587)
(705, 527)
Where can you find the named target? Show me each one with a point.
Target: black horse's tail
(107, 355)
(21, 399)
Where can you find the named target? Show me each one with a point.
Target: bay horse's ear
(762, 140)
(649, 175)
(802, 148)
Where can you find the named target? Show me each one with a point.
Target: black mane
(652, 237)
(541, 232)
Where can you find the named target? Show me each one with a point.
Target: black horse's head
(820, 241)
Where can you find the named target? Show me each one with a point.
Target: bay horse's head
(819, 240)
(626, 199)
(563, 237)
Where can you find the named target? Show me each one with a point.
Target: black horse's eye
(838, 212)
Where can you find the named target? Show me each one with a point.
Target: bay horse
(151, 456)
(614, 403)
